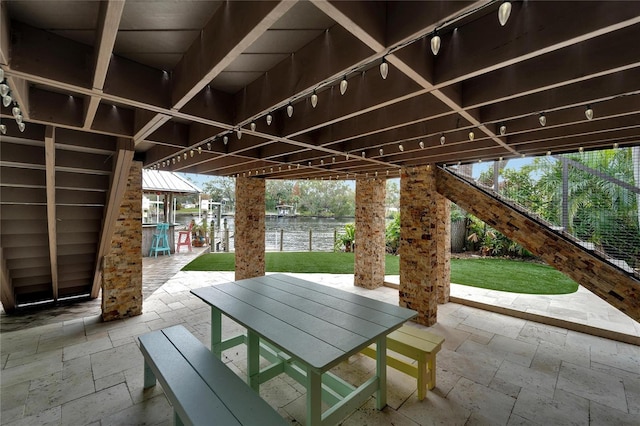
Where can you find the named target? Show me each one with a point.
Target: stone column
(424, 270)
(370, 227)
(249, 227)
(122, 267)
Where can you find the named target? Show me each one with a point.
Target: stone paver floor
(70, 368)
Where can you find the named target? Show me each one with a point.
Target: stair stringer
(611, 284)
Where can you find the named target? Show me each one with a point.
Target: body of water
(295, 231)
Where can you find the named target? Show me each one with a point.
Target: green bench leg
(149, 377)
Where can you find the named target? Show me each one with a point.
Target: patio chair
(160, 242)
(184, 238)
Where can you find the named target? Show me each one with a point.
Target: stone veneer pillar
(249, 231)
(122, 267)
(424, 256)
(370, 227)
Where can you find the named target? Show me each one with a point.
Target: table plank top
(315, 324)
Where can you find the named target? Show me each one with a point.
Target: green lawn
(497, 274)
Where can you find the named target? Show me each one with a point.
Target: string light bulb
(15, 111)
(225, 139)
(471, 135)
(269, 119)
(542, 119)
(4, 89)
(421, 144)
(401, 148)
(381, 152)
(3, 129)
(314, 99)
(435, 44)
(343, 85)
(209, 146)
(503, 130)
(504, 12)
(252, 126)
(239, 133)
(588, 113)
(290, 110)
(199, 150)
(442, 139)
(6, 100)
(384, 69)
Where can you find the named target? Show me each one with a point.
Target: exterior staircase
(54, 190)
(612, 281)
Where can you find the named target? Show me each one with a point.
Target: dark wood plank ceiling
(178, 78)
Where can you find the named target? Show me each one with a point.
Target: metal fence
(592, 196)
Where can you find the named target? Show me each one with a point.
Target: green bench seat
(199, 386)
(417, 344)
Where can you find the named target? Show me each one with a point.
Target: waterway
(295, 231)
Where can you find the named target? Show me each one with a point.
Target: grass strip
(513, 276)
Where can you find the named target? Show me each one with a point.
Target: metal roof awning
(159, 181)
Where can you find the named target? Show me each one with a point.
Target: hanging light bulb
(343, 85)
(616, 145)
(435, 44)
(290, 110)
(252, 126)
(209, 146)
(178, 158)
(421, 144)
(19, 118)
(185, 155)
(191, 153)
(173, 160)
(239, 133)
(269, 119)
(401, 148)
(503, 129)
(381, 151)
(471, 135)
(225, 139)
(503, 12)
(15, 111)
(442, 139)
(4, 89)
(314, 99)
(384, 69)
(199, 150)
(3, 129)
(581, 149)
(588, 113)
(6, 101)
(542, 119)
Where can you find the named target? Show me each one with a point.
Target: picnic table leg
(381, 372)
(253, 360)
(314, 397)
(216, 332)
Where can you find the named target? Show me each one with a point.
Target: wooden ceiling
(181, 77)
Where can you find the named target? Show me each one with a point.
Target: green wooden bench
(201, 388)
(416, 344)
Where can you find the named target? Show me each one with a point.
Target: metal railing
(592, 197)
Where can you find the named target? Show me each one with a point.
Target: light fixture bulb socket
(542, 119)
(343, 85)
(384, 69)
(435, 44)
(504, 11)
(588, 113)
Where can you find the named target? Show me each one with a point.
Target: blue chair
(160, 241)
